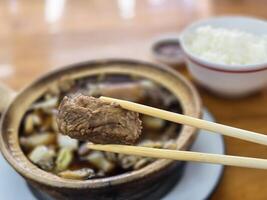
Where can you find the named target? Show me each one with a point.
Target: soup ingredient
(32, 141)
(128, 162)
(83, 149)
(48, 103)
(43, 157)
(153, 123)
(32, 121)
(128, 91)
(65, 141)
(64, 158)
(80, 174)
(99, 161)
(111, 156)
(100, 173)
(137, 91)
(142, 162)
(227, 46)
(88, 118)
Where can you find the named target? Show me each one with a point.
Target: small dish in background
(168, 50)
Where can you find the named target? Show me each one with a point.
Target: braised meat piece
(88, 118)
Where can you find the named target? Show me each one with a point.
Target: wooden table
(37, 36)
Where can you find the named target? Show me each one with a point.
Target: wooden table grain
(38, 36)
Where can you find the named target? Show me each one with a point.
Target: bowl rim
(91, 183)
(218, 66)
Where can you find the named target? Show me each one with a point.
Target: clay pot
(150, 182)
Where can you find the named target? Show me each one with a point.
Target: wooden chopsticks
(187, 155)
(191, 121)
(182, 155)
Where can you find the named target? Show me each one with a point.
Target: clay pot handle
(6, 96)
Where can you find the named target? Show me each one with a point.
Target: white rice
(227, 46)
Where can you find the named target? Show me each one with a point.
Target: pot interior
(113, 71)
